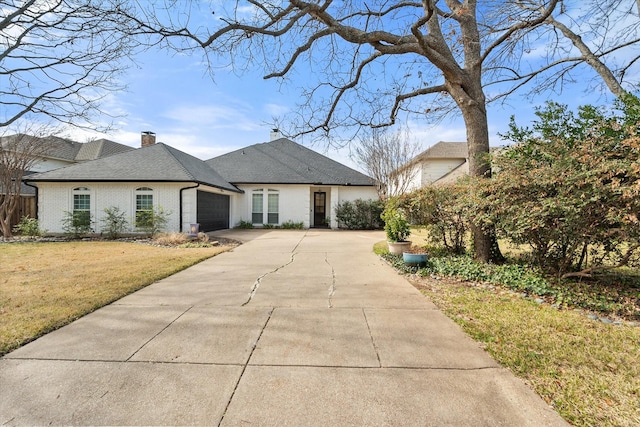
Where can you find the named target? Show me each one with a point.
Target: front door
(319, 209)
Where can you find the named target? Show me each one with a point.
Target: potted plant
(415, 257)
(397, 229)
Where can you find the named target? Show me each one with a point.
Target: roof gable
(283, 161)
(445, 150)
(157, 162)
(100, 148)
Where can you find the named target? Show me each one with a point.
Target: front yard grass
(587, 370)
(44, 286)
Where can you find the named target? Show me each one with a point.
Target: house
(284, 181)
(56, 152)
(52, 153)
(442, 163)
(269, 183)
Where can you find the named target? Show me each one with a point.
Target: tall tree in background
(60, 58)
(425, 58)
(385, 156)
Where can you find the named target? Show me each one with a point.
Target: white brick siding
(54, 199)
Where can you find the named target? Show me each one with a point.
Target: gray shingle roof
(445, 150)
(65, 149)
(100, 148)
(284, 162)
(56, 148)
(157, 162)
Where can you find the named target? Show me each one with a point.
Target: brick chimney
(148, 138)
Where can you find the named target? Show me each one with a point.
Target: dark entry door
(213, 211)
(319, 209)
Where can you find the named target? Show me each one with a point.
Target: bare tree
(59, 58)
(410, 57)
(385, 156)
(18, 154)
(593, 33)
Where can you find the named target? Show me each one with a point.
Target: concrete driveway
(291, 328)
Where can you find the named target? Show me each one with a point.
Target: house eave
(120, 181)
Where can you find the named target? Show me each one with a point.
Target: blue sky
(173, 96)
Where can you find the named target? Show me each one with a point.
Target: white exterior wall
(416, 178)
(54, 199)
(293, 201)
(296, 201)
(434, 169)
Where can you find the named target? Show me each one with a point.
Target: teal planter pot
(414, 260)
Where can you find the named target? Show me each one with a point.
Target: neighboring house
(442, 163)
(55, 153)
(268, 183)
(59, 152)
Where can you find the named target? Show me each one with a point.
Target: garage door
(213, 211)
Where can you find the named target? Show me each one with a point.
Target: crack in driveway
(332, 288)
(258, 282)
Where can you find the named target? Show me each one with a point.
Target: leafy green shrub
(114, 223)
(28, 227)
(359, 214)
(568, 188)
(244, 224)
(152, 221)
(396, 226)
(443, 211)
(77, 223)
(290, 225)
(269, 226)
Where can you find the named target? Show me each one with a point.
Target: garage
(213, 211)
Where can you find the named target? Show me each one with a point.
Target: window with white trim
(81, 200)
(265, 210)
(257, 206)
(144, 205)
(272, 206)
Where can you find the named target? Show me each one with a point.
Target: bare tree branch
(59, 58)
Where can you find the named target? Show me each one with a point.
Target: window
(269, 205)
(81, 215)
(257, 207)
(272, 208)
(144, 206)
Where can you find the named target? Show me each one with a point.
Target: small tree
(386, 157)
(18, 154)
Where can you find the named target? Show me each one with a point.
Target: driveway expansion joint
(373, 342)
(244, 367)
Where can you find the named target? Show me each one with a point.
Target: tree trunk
(475, 118)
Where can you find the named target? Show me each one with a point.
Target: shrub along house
(270, 183)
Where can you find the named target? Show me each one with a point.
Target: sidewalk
(291, 328)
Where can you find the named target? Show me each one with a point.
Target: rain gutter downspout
(181, 190)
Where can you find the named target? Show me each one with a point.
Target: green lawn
(44, 286)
